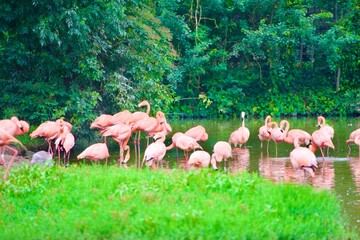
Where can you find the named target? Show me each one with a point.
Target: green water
(340, 173)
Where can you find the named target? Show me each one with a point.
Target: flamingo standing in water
(156, 151)
(241, 135)
(328, 129)
(198, 133)
(303, 158)
(277, 134)
(95, 152)
(321, 139)
(222, 151)
(121, 133)
(64, 142)
(149, 125)
(200, 159)
(264, 133)
(302, 136)
(50, 130)
(352, 137)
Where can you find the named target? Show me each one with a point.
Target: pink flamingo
(95, 152)
(320, 139)
(14, 127)
(264, 133)
(149, 125)
(222, 151)
(187, 144)
(241, 135)
(120, 117)
(352, 137)
(303, 158)
(200, 159)
(156, 151)
(302, 136)
(277, 134)
(65, 142)
(328, 129)
(5, 139)
(48, 130)
(121, 133)
(198, 133)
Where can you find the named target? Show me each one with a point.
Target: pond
(340, 173)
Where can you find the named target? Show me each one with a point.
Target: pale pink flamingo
(155, 152)
(200, 159)
(277, 134)
(328, 129)
(48, 130)
(352, 137)
(14, 127)
(95, 152)
(320, 139)
(121, 133)
(120, 117)
(101, 122)
(187, 144)
(303, 158)
(5, 139)
(65, 142)
(221, 152)
(302, 136)
(264, 133)
(241, 135)
(198, 133)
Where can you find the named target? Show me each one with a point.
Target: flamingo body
(95, 152)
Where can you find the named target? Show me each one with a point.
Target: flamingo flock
(124, 125)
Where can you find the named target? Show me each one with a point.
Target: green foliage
(99, 202)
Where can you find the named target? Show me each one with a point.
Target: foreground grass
(97, 202)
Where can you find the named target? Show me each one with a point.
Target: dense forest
(76, 59)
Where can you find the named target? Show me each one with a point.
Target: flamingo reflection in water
(241, 161)
(355, 169)
(272, 168)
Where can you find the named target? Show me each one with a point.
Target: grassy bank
(97, 202)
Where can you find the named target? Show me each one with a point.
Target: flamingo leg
(11, 161)
(2, 159)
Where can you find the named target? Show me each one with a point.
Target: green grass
(99, 202)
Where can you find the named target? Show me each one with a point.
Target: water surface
(339, 173)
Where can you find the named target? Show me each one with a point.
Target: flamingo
(320, 139)
(187, 144)
(264, 133)
(121, 133)
(222, 151)
(277, 134)
(101, 122)
(156, 151)
(120, 117)
(241, 135)
(5, 139)
(328, 129)
(352, 137)
(303, 158)
(14, 127)
(198, 133)
(302, 136)
(65, 142)
(95, 152)
(200, 159)
(49, 130)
